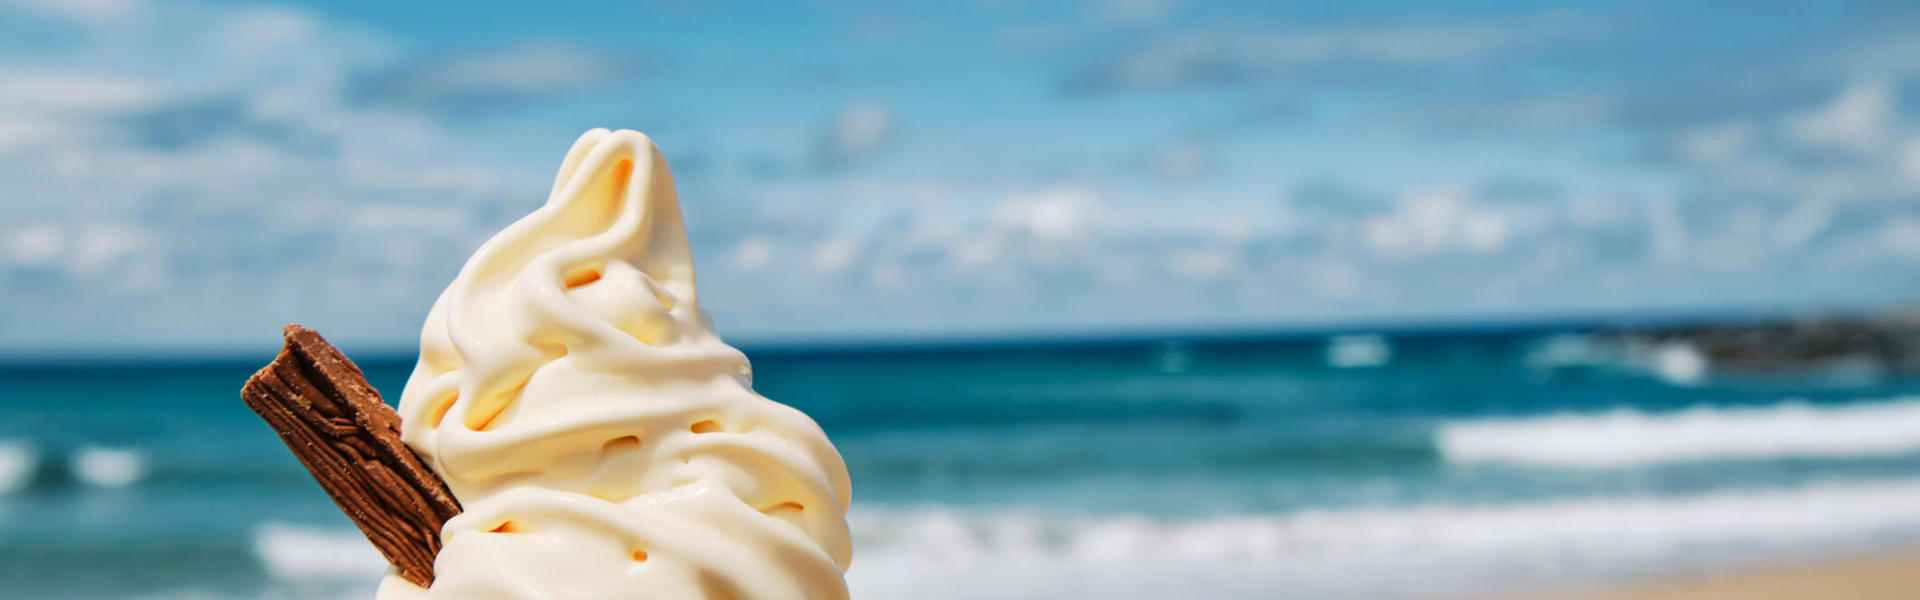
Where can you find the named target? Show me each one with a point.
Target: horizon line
(1414, 328)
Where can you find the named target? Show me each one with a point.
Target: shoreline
(1892, 574)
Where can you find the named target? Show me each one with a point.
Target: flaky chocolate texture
(335, 423)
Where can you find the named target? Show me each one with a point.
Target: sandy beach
(1886, 576)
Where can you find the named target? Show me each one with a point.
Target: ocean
(1399, 466)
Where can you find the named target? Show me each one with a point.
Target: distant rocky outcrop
(1880, 344)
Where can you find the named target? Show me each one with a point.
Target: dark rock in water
(1885, 345)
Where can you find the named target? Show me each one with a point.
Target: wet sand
(1887, 576)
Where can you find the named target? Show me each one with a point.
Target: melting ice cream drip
(603, 441)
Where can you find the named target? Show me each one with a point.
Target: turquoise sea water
(1402, 466)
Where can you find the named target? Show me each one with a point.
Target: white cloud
(1715, 144)
(1909, 162)
(858, 130)
(752, 254)
(1812, 216)
(834, 254)
(1335, 278)
(489, 77)
(1184, 159)
(1902, 237)
(1670, 241)
(1859, 118)
(22, 134)
(1201, 57)
(403, 218)
(1204, 264)
(86, 12)
(971, 253)
(1436, 220)
(886, 276)
(1528, 114)
(1596, 211)
(96, 247)
(1484, 232)
(524, 69)
(34, 245)
(1056, 214)
(1739, 243)
(250, 177)
(254, 31)
(65, 93)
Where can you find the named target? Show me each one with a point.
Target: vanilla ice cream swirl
(602, 440)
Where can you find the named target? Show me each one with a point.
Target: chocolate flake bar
(335, 423)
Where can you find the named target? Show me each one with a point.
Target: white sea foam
(298, 552)
(1571, 350)
(1625, 438)
(1432, 551)
(938, 552)
(1358, 351)
(109, 467)
(18, 460)
(1679, 363)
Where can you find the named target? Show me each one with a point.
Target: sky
(185, 177)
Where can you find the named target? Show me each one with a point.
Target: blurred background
(1133, 298)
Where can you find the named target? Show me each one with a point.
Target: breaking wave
(1628, 438)
(18, 461)
(300, 552)
(1420, 551)
(109, 467)
(27, 466)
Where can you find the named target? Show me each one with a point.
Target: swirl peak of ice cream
(602, 440)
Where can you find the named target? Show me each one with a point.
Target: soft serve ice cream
(603, 442)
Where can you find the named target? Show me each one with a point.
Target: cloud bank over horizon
(192, 176)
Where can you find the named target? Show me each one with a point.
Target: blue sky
(185, 177)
